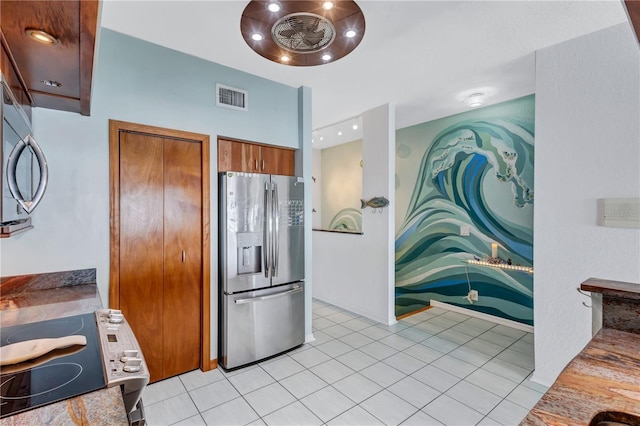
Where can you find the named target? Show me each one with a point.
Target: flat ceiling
(419, 55)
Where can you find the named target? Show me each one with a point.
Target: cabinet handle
(184, 256)
(262, 164)
(256, 164)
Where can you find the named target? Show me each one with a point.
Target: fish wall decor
(374, 203)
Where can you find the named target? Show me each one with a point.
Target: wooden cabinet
(56, 76)
(249, 157)
(14, 80)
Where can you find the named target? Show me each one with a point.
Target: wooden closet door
(141, 242)
(182, 256)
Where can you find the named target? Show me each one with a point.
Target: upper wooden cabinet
(255, 158)
(14, 81)
(68, 62)
(633, 11)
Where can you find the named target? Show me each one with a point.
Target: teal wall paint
(473, 169)
(142, 82)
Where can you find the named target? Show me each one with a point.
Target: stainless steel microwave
(24, 167)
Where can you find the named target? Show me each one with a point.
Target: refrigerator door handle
(276, 235)
(266, 241)
(296, 289)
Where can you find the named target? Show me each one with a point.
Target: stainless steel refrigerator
(261, 266)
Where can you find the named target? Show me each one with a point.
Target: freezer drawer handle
(296, 289)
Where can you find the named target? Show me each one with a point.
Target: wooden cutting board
(30, 349)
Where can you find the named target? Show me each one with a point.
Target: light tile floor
(435, 367)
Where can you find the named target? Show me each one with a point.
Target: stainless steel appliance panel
(259, 324)
(288, 247)
(243, 254)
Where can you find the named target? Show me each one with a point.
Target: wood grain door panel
(277, 161)
(182, 256)
(141, 242)
(254, 158)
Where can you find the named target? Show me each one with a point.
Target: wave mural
(348, 219)
(475, 173)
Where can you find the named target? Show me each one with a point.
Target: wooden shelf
(527, 269)
(19, 231)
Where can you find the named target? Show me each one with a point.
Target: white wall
(356, 272)
(587, 147)
(317, 186)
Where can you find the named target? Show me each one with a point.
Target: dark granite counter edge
(612, 288)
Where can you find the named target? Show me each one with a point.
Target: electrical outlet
(473, 294)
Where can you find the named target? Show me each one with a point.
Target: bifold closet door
(160, 249)
(182, 256)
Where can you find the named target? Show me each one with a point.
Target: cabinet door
(238, 156)
(182, 256)
(277, 161)
(230, 156)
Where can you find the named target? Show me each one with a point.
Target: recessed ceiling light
(41, 36)
(350, 33)
(326, 57)
(339, 132)
(355, 127)
(285, 58)
(257, 36)
(321, 138)
(274, 6)
(51, 83)
(475, 100)
(327, 5)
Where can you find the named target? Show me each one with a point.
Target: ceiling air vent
(230, 97)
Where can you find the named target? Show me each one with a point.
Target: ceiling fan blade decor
(303, 33)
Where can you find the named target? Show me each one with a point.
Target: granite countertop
(102, 407)
(39, 297)
(605, 376)
(612, 288)
(30, 298)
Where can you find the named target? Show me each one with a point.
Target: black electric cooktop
(53, 377)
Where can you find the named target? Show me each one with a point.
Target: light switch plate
(619, 212)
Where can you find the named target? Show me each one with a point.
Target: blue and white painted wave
(479, 174)
(348, 219)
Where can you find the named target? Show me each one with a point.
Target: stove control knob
(129, 354)
(132, 365)
(116, 318)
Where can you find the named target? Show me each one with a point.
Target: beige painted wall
(341, 179)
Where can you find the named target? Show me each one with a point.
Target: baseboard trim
(213, 364)
(309, 338)
(487, 317)
(408, 314)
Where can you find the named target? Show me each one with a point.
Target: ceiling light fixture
(274, 6)
(476, 96)
(41, 36)
(326, 57)
(355, 126)
(339, 132)
(257, 36)
(285, 58)
(51, 83)
(350, 33)
(327, 5)
(475, 100)
(303, 30)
